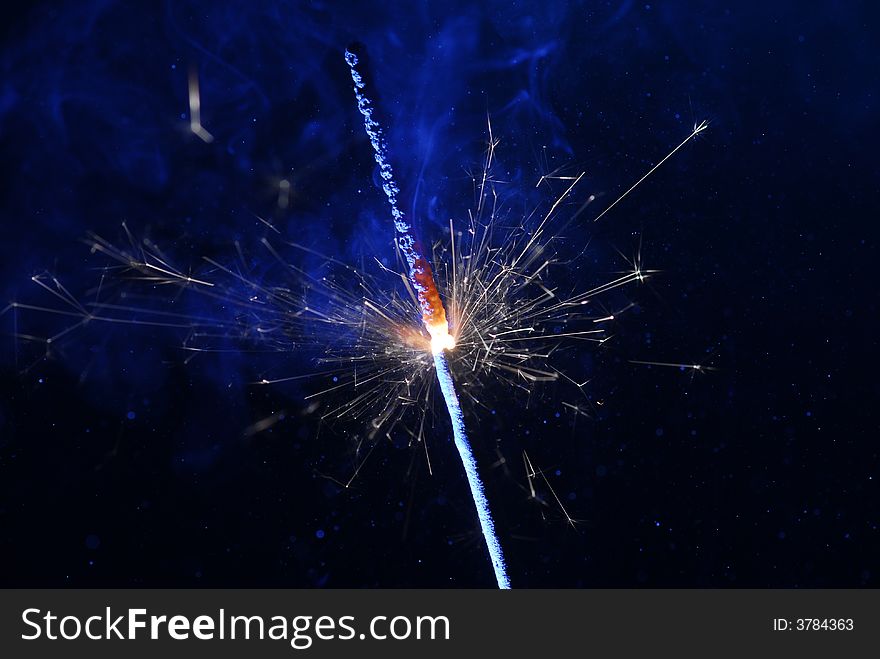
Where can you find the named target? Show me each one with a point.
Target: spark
(195, 108)
(264, 424)
(684, 367)
(531, 475)
(283, 193)
(698, 128)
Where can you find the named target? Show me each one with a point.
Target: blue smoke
(94, 113)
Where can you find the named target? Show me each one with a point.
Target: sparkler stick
(459, 433)
(433, 317)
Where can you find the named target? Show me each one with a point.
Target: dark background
(122, 465)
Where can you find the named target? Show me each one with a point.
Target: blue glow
(459, 433)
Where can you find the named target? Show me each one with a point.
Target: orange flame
(433, 313)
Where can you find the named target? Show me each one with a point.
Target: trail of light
(195, 108)
(698, 128)
(459, 433)
(683, 367)
(433, 317)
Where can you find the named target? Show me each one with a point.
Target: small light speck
(319, 534)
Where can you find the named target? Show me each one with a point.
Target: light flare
(441, 338)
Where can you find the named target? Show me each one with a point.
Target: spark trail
(433, 317)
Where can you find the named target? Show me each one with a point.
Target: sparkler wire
(459, 433)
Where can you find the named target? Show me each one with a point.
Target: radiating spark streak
(263, 424)
(576, 408)
(178, 276)
(512, 331)
(283, 193)
(195, 108)
(553, 177)
(557, 335)
(454, 305)
(531, 474)
(344, 384)
(106, 306)
(360, 466)
(425, 444)
(34, 307)
(100, 245)
(357, 470)
(490, 153)
(533, 375)
(292, 377)
(267, 223)
(583, 207)
(579, 385)
(694, 367)
(580, 298)
(539, 231)
(699, 128)
(60, 293)
(14, 308)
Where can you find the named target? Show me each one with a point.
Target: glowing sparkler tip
(441, 339)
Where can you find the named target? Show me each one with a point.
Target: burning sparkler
(504, 319)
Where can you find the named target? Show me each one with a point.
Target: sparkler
(434, 319)
(504, 320)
